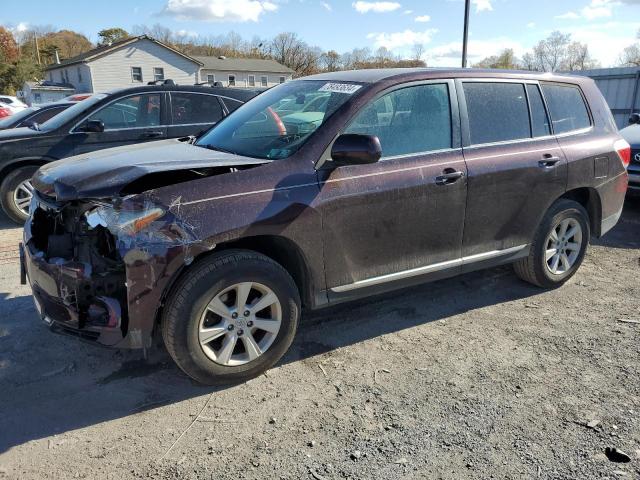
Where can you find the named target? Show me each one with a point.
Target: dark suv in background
(123, 117)
(324, 189)
(632, 135)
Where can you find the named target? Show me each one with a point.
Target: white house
(243, 72)
(127, 63)
(140, 60)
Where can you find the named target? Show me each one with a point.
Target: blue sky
(607, 26)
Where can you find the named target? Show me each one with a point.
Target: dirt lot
(481, 376)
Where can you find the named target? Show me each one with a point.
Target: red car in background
(5, 111)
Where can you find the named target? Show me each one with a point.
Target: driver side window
(130, 112)
(408, 121)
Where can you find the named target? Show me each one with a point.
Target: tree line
(25, 52)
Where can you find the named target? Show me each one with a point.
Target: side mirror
(94, 126)
(634, 118)
(356, 149)
(32, 124)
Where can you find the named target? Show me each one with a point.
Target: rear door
(401, 218)
(193, 113)
(127, 120)
(515, 165)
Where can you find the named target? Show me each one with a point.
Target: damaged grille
(86, 265)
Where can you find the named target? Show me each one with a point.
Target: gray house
(35, 93)
(127, 63)
(243, 72)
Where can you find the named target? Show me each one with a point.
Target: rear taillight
(624, 151)
(4, 112)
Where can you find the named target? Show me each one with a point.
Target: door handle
(449, 176)
(548, 161)
(152, 134)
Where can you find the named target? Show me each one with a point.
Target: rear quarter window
(497, 112)
(566, 107)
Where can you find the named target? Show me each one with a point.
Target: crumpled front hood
(105, 173)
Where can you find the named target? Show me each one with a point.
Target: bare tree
(504, 60)
(417, 52)
(289, 50)
(330, 61)
(577, 57)
(550, 52)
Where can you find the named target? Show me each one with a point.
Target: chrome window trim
(71, 130)
(435, 267)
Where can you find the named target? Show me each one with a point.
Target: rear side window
(567, 108)
(232, 105)
(539, 120)
(497, 112)
(190, 108)
(408, 121)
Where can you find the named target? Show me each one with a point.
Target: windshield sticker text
(347, 88)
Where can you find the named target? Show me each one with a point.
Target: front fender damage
(153, 256)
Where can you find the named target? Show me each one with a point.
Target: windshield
(71, 112)
(277, 123)
(17, 117)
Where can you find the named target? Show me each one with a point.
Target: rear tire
(207, 302)
(558, 247)
(9, 196)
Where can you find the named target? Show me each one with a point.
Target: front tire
(16, 192)
(559, 246)
(231, 318)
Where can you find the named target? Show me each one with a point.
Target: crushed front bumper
(115, 309)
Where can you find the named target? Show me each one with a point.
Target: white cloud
(400, 40)
(595, 9)
(482, 5)
(450, 54)
(605, 40)
(408, 12)
(327, 6)
(377, 7)
(218, 10)
(568, 16)
(423, 18)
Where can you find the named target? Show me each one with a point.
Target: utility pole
(35, 35)
(465, 39)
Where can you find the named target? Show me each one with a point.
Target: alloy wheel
(22, 196)
(563, 246)
(240, 324)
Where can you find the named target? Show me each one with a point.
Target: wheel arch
(23, 162)
(589, 198)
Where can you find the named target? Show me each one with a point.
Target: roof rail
(162, 82)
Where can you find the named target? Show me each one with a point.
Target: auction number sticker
(347, 88)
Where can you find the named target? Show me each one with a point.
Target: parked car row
(124, 117)
(318, 191)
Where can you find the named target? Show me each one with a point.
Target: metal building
(620, 88)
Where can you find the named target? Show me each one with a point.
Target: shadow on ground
(51, 384)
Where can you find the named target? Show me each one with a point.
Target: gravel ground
(481, 376)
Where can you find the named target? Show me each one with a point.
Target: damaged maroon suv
(324, 189)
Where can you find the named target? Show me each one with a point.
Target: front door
(387, 224)
(128, 120)
(516, 167)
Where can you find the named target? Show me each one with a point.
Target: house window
(232, 80)
(158, 74)
(211, 79)
(37, 98)
(264, 81)
(283, 79)
(252, 80)
(79, 75)
(136, 74)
